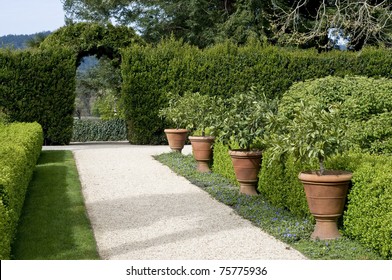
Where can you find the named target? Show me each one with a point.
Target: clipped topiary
(88, 38)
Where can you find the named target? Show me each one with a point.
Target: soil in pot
(326, 197)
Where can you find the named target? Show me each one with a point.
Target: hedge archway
(93, 39)
(89, 39)
(39, 84)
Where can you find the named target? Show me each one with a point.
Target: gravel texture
(140, 209)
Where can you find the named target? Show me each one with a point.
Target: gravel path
(140, 209)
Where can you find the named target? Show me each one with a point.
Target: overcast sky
(30, 16)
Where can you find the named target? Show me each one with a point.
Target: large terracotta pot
(326, 196)
(202, 151)
(176, 138)
(246, 167)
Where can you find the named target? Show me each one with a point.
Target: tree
(36, 41)
(306, 22)
(247, 20)
(195, 21)
(98, 90)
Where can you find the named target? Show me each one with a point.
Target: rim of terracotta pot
(175, 130)
(328, 176)
(244, 153)
(201, 138)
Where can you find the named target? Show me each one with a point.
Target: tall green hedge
(20, 147)
(39, 85)
(225, 69)
(148, 72)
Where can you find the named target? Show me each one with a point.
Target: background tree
(98, 91)
(22, 41)
(249, 19)
(36, 41)
(308, 22)
(199, 22)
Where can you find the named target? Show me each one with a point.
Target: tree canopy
(306, 23)
(200, 23)
(303, 22)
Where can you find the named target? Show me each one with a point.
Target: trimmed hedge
(368, 217)
(222, 162)
(40, 86)
(20, 147)
(148, 73)
(223, 70)
(89, 38)
(99, 130)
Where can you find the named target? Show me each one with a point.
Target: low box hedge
(20, 147)
(85, 130)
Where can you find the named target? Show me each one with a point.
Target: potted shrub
(199, 118)
(175, 113)
(314, 134)
(242, 127)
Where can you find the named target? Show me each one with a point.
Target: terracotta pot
(176, 138)
(326, 196)
(246, 167)
(202, 151)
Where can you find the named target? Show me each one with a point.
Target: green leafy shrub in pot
(175, 111)
(197, 113)
(316, 134)
(194, 111)
(365, 102)
(242, 122)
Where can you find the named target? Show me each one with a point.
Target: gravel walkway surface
(140, 209)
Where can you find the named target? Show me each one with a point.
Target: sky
(30, 16)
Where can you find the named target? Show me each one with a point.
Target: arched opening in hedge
(102, 41)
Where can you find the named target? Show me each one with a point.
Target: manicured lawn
(54, 223)
(278, 222)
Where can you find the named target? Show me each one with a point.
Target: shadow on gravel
(163, 218)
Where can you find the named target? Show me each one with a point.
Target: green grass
(54, 223)
(280, 223)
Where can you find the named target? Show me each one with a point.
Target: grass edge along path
(277, 222)
(54, 224)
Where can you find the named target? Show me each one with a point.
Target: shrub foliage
(40, 86)
(20, 146)
(366, 105)
(99, 130)
(224, 70)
